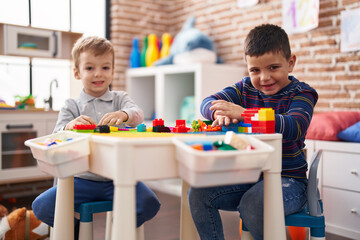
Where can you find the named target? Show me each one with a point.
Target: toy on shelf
(25, 102)
(165, 47)
(143, 52)
(4, 106)
(152, 52)
(188, 42)
(135, 54)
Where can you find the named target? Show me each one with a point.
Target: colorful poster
(350, 30)
(300, 15)
(246, 3)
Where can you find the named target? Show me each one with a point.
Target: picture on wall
(350, 30)
(300, 15)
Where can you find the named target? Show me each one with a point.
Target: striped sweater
(293, 106)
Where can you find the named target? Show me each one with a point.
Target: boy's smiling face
(95, 72)
(269, 72)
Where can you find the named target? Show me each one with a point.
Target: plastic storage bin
(213, 168)
(65, 159)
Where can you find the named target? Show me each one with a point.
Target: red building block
(158, 122)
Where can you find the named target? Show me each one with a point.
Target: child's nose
(265, 76)
(97, 73)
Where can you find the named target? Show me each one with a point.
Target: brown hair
(97, 45)
(267, 38)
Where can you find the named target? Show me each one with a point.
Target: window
(44, 72)
(86, 18)
(14, 78)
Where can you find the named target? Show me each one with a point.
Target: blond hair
(95, 44)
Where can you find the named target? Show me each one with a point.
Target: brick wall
(335, 75)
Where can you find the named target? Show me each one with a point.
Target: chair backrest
(313, 194)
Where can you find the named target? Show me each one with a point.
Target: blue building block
(141, 128)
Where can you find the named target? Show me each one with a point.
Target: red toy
(85, 127)
(180, 127)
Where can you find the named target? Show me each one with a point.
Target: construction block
(85, 126)
(114, 129)
(102, 129)
(208, 128)
(249, 113)
(180, 126)
(266, 114)
(158, 122)
(141, 127)
(220, 145)
(235, 141)
(201, 145)
(161, 129)
(267, 126)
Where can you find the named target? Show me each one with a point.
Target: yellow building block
(266, 114)
(113, 129)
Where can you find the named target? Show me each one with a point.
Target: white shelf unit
(161, 90)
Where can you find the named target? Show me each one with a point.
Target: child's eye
(274, 67)
(106, 68)
(254, 70)
(89, 68)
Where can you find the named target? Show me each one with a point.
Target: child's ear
(292, 61)
(76, 73)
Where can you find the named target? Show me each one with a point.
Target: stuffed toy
(190, 44)
(21, 224)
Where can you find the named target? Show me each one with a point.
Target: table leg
(64, 210)
(274, 221)
(187, 227)
(124, 213)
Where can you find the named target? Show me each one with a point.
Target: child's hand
(222, 120)
(114, 118)
(227, 111)
(81, 120)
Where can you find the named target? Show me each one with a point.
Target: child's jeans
(147, 204)
(205, 204)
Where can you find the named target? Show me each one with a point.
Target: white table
(128, 160)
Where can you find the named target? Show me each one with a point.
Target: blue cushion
(351, 134)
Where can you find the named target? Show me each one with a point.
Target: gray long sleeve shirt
(96, 108)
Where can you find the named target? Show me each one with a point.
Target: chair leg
(140, 235)
(86, 231)
(51, 233)
(317, 238)
(108, 225)
(245, 235)
(317, 233)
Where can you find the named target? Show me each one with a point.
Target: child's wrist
(126, 116)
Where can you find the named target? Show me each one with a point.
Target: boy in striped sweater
(269, 62)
